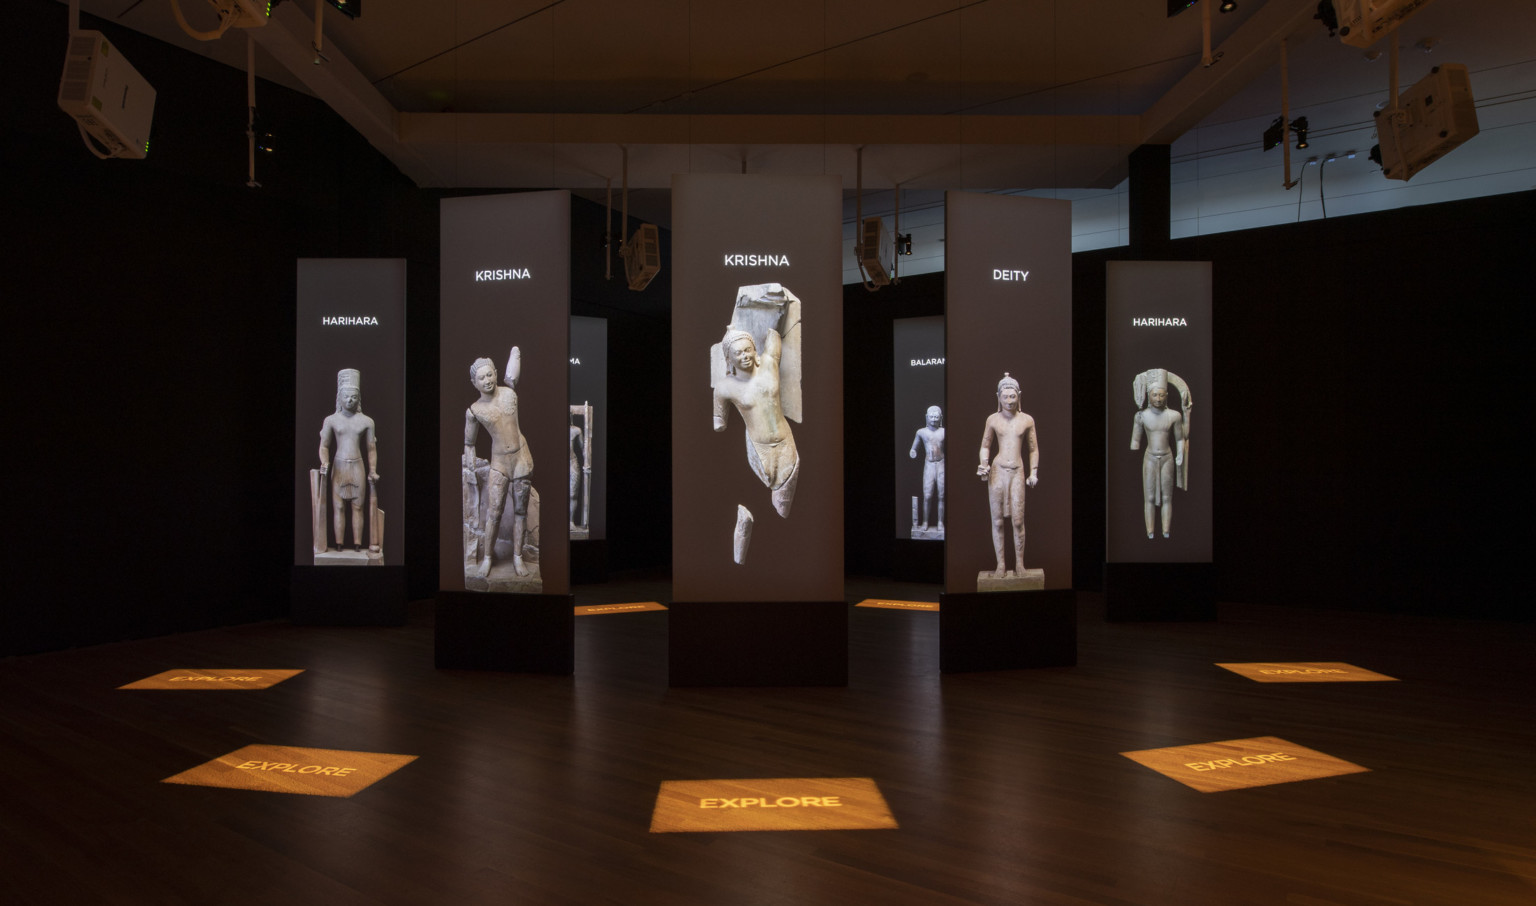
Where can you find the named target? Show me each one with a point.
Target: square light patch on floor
(1308, 672)
(290, 769)
(780, 804)
(213, 679)
(1236, 764)
(588, 610)
(897, 605)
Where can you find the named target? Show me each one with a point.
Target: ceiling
(976, 94)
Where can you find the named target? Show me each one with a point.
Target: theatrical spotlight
(1299, 126)
(903, 243)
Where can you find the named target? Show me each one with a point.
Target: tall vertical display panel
(1159, 414)
(504, 601)
(919, 448)
(1008, 598)
(757, 421)
(588, 453)
(349, 442)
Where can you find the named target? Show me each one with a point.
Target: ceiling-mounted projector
(1363, 22)
(875, 252)
(1433, 117)
(106, 96)
(642, 256)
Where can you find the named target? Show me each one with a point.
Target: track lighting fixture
(1299, 126)
(1227, 6)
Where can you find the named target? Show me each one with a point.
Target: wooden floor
(1008, 787)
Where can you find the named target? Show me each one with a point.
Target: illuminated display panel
(1158, 336)
(505, 282)
(351, 317)
(589, 388)
(917, 385)
(1008, 292)
(782, 236)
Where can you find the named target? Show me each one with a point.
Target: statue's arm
(373, 454)
(917, 441)
(1031, 439)
(986, 449)
(722, 412)
(773, 344)
(325, 446)
(471, 433)
(1178, 441)
(1137, 431)
(514, 367)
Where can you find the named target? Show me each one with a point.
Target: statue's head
(739, 350)
(1157, 395)
(934, 416)
(1007, 394)
(349, 390)
(483, 375)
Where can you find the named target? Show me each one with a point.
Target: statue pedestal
(504, 580)
(757, 643)
(1007, 630)
(1168, 592)
(1032, 580)
(348, 558)
(515, 633)
(927, 533)
(326, 596)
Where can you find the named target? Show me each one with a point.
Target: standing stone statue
(1014, 433)
(931, 438)
(756, 368)
(353, 435)
(581, 471)
(489, 485)
(1166, 431)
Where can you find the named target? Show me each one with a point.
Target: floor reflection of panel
(213, 679)
(898, 605)
(1235, 764)
(1308, 672)
(780, 804)
(290, 769)
(587, 610)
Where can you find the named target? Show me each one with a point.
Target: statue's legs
(928, 483)
(496, 503)
(1016, 497)
(522, 488)
(338, 517)
(997, 496)
(1165, 489)
(357, 523)
(1149, 482)
(939, 483)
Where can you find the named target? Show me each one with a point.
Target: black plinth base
(347, 595)
(589, 561)
(510, 632)
(1007, 630)
(1159, 591)
(917, 561)
(759, 643)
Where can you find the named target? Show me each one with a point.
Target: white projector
(1432, 117)
(106, 95)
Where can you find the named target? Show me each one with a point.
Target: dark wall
(149, 335)
(1368, 371)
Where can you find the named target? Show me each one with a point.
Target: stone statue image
(930, 438)
(500, 488)
(1014, 434)
(350, 473)
(756, 367)
(581, 471)
(1166, 433)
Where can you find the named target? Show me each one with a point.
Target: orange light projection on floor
(897, 605)
(1307, 672)
(290, 769)
(780, 804)
(1236, 764)
(587, 610)
(213, 679)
